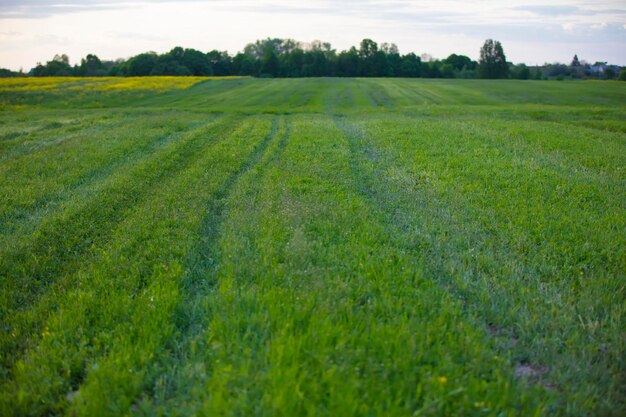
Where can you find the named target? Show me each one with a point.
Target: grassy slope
(313, 247)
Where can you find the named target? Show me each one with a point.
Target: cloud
(114, 28)
(550, 10)
(569, 26)
(39, 9)
(136, 36)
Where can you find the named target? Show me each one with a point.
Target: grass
(312, 247)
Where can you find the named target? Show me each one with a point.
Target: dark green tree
(411, 66)
(521, 72)
(39, 70)
(291, 63)
(244, 64)
(7, 73)
(59, 66)
(367, 48)
(431, 69)
(221, 63)
(196, 62)
(91, 66)
(492, 62)
(447, 70)
(140, 65)
(459, 62)
(370, 60)
(170, 68)
(557, 70)
(348, 63)
(269, 63)
(609, 73)
(315, 64)
(394, 64)
(180, 61)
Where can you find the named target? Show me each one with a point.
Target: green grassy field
(322, 247)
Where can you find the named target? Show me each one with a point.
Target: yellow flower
(442, 379)
(89, 84)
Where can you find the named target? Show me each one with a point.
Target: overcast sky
(530, 31)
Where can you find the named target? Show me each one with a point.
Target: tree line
(289, 58)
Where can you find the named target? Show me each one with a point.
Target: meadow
(312, 247)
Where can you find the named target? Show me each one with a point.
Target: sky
(530, 31)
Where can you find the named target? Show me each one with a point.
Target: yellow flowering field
(100, 83)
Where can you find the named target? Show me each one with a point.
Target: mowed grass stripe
(67, 240)
(53, 130)
(183, 369)
(583, 152)
(192, 313)
(74, 172)
(88, 218)
(198, 95)
(429, 186)
(22, 175)
(325, 316)
(88, 193)
(252, 96)
(377, 94)
(149, 267)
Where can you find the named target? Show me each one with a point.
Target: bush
(609, 73)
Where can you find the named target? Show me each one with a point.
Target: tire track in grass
(391, 205)
(203, 259)
(338, 96)
(199, 95)
(319, 312)
(388, 207)
(188, 316)
(194, 312)
(364, 92)
(211, 226)
(377, 94)
(421, 89)
(83, 186)
(35, 173)
(44, 170)
(50, 135)
(400, 97)
(492, 292)
(119, 308)
(18, 124)
(65, 242)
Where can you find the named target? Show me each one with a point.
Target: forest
(288, 58)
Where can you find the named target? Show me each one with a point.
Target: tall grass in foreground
(312, 247)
